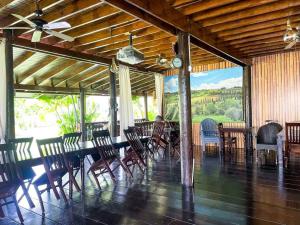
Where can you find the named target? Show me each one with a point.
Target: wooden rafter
(161, 14)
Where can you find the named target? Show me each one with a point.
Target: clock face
(177, 63)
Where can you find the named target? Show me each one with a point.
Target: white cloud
(171, 85)
(228, 83)
(200, 74)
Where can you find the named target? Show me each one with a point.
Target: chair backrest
(8, 173)
(292, 133)
(209, 127)
(103, 142)
(267, 134)
(134, 140)
(21, 148)
(158, 129)
(53, 153)
(72, 138)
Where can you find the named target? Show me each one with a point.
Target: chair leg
(62, 190)
(96, 179)
(70, 187)
(18, 209)
(110, 172)
(1, 212)
(25, 193)
(129, 171)
(40, 198)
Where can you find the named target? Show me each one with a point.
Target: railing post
(146, 105)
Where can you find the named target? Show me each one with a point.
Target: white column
(159, 91)
(126, 108)
(2, 90)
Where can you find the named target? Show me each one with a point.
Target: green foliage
(224, 105)
(67, 111)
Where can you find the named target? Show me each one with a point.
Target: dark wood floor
(230, 191)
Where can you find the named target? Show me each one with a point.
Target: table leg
(82, 174)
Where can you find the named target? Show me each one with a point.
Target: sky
(213, 79)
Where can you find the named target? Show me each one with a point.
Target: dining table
(247, 134)
(80, 150)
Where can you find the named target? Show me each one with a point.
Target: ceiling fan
(291, 35)
(39, 25)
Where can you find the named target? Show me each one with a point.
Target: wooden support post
(82, 115)
(247, 104)
(146, 105)
(186, 145)
(10, 105)
(113, 105)
(247, 95)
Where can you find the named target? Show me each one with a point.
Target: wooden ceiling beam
(121, 38)
(114, 20)
(65, 72)
(68, 10)
(63, 81)
(204, 5)
(257, 26)
(250, 12)
(136, 42)
(257, 38)
(57, 68)
(257, 32)
(108, 33)
(68, 54)
(22, 58)
(258, 42)
(255, 19)
(52, 90)
(102, 75)
(100, 15)
(161, 14)
(227, 9)
(27, 11)
(86, 76)
(21, 78)
(153, 43)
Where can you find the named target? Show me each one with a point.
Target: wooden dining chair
(292, 137)
(9, 181)
(22, 151)
(226, 139)
(56, 166)
(137, 153)
(109, 156)
(71, 141)
(156, 140)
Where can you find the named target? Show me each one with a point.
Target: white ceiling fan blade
(36, 36)
(290, 45)
(32, 24)
(60, 35)
(58, 25)
(16, 28)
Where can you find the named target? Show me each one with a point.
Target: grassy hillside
(223, 105)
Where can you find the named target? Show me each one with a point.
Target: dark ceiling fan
(39, 25)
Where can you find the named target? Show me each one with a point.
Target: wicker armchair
(266, 138)
(209, 133)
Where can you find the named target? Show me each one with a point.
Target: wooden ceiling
(241, 28)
